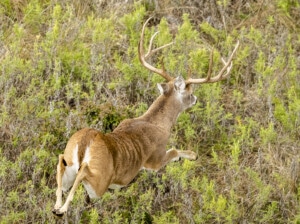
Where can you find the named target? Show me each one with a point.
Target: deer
(112, 160)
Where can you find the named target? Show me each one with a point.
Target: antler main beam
(143, 56)
(224, 72)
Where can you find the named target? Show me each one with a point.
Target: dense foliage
(66, 65)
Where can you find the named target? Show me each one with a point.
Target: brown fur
(117, 157)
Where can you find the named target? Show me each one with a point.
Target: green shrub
(68, 65)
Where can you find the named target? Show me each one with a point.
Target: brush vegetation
(66, 65)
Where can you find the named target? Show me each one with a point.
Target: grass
(68, 65)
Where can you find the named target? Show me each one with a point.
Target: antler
(224, 73)
(143, 56)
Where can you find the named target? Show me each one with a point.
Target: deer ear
(163, 88)
(179, 84)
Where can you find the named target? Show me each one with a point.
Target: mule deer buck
(101, 161)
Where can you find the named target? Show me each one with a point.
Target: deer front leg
(175, 155)
(161, 158)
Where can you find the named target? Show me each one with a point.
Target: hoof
(58, 213)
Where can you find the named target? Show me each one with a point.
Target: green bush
(68, 65)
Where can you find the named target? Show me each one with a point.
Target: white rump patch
(87, 156)
(69, 175)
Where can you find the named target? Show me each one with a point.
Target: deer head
(181, 87)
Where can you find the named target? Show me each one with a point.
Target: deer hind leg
(60, 172)
(65, 178)
(79, 177)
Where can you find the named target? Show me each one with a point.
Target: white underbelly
(115, 186)
(90, 190)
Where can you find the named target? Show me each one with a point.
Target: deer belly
(115, 186)
(90, 190)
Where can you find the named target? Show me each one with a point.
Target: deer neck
(163, 112)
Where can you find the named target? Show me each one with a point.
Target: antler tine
(143, 56)
(224, 73)
(152, 51)
(150, 45)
